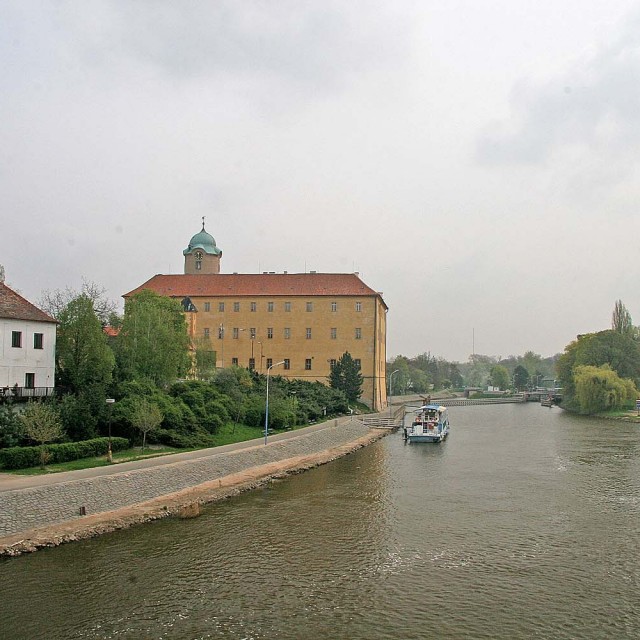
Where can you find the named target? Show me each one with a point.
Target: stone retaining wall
(22, 510)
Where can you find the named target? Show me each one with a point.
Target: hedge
(25, 457)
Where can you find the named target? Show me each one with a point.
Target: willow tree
(600, 389)
(153, 342)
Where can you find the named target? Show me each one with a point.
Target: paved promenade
(31, 503)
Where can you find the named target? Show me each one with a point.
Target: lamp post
(266, 410)
(110, 402)
(393, 373)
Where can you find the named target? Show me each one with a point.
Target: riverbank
(76, 509)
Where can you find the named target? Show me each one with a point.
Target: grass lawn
(126, 455)
(228, 434)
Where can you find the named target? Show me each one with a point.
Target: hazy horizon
(474, 161)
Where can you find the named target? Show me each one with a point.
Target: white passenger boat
(430, 424)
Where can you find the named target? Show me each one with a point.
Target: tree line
(597, 372)
(164, 386)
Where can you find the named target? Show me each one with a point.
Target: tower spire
(203, 223)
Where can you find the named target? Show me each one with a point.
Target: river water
(523, 524)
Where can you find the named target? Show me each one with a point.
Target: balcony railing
(25, 393)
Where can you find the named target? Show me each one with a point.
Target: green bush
(25, 457)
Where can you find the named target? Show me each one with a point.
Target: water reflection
(522, 524)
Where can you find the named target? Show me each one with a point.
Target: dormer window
(198, 257)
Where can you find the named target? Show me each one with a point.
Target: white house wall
(16, 362)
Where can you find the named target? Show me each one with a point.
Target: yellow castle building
(299, 323)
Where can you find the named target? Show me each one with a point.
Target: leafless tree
(54, 301)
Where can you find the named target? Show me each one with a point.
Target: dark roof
(258, 284)
(15, 307)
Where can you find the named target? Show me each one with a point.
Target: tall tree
(621, 319)
(345, 376)
(153, 342)
(83, 357)
(520, 377)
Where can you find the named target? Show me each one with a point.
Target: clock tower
(202, 255)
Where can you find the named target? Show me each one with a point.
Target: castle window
(307, 364)
(269, 362)
(236, 333)
(309, 306)
(234, 362)
(252, 333)
(308, 333)
(221, 307)
(269, 332)
(358, 333)
(198, 257)
(252, 363)
(16, 339)
(332, 362)
(287, 306)
(254, 306)
(220, 332)
(334, 333)
(206, 332)
(287, 333)
(30, 380)
(207, 306)
(358, 306)
(38, 339)
(357, 362)
(334, 306)
(287, 363)
(270, 306)
(236, 306)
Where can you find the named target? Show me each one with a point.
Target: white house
(27, 346)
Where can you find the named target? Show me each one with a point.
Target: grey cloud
(308, 42)
(595, 104)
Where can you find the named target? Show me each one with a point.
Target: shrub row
(25, 457)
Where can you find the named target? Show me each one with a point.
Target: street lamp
(110, 402)
(266, 410)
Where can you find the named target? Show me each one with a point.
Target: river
(525, 523)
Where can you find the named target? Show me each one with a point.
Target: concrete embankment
(53, 512)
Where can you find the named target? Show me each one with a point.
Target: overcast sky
(476, 161)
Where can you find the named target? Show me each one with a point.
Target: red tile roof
(258, 284)
(14, 307)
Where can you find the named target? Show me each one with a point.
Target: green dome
(203, 240)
